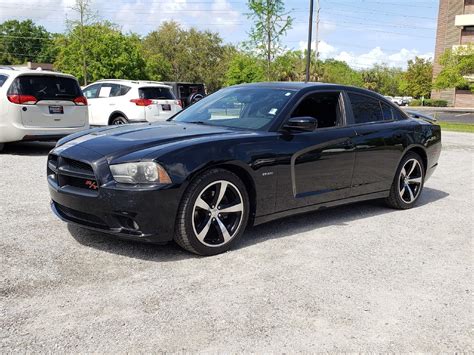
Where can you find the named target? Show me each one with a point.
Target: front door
(320, 163)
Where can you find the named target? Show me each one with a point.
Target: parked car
(39, 105)
(203, 177)
(188, 93)
(400, 101)
(115, 102)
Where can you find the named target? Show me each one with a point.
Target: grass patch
(457, 127)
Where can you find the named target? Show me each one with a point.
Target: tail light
(179, 103)
(80, 100)
(142, 102)
(22, 99)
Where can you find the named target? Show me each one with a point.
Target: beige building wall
(455, 27)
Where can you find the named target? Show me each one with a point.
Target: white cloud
(378, 56)
(366, 60)
(325, 49)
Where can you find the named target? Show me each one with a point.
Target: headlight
(140, 173)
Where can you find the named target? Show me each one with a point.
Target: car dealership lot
(354, 278)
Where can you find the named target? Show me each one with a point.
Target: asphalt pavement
(358, 278)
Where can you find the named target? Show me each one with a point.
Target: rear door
(379, 143)
(55, 105)
(163, 102)
(107, 102)
(91, 93)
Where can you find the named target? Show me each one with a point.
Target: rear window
(365, 108)
(156, 93)
(46, 87)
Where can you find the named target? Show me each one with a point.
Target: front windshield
(240, 107)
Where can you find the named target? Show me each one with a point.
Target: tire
(408, 182)
(194, 98)
(2, 145)
(119, 120)
(202, 226)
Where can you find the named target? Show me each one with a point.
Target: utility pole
(318, 9)
(310, 33)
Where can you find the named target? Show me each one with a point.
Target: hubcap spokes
(411, 177)
(217, 213)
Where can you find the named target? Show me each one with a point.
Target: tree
(417, 79)
(189, 55)
(335, 71)
(245, 68)
(457, 65)
(110, 54)
(270, 24)
(23, 41)
(289, 66)
(86, 17)
(383, 79)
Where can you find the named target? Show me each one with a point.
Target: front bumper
(131, 212)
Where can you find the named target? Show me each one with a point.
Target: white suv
(39, 105)
(113, 102)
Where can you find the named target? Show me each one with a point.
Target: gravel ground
(354, 278)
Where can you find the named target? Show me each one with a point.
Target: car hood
(116, 141)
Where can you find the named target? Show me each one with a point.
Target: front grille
(67, 172)
(77, 166)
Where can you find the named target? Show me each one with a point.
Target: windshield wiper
(197, 122)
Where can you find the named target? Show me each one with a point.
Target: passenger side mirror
(303, 124)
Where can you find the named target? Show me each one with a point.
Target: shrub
(436, 103)
(430, 103)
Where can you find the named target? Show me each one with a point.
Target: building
(33, 66)
(455, 28)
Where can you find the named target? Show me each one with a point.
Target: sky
(359, 32)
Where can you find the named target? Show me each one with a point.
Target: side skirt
(300, 210)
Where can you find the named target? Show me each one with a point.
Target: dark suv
(188, 93)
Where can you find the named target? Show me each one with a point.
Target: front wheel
(408, 182)
(213, 213)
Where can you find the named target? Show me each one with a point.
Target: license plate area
(56, 110)
(166, 107)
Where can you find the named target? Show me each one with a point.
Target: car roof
(14, 72)
(307, 86)
(135, 83)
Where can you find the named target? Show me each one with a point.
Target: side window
(325, 107)
(91, 91)
(124, 89)
(365, 108)
(387, 112)
(3, 78)
(109, 90)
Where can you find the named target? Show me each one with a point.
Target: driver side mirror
(303, 124)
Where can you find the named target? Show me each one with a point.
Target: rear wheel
(408, 182)
(213, 213)
(118, 121)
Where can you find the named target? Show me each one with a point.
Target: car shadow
(341, 216)
(286, 227)
(28, 148)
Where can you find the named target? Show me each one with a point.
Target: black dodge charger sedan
(242, 156)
